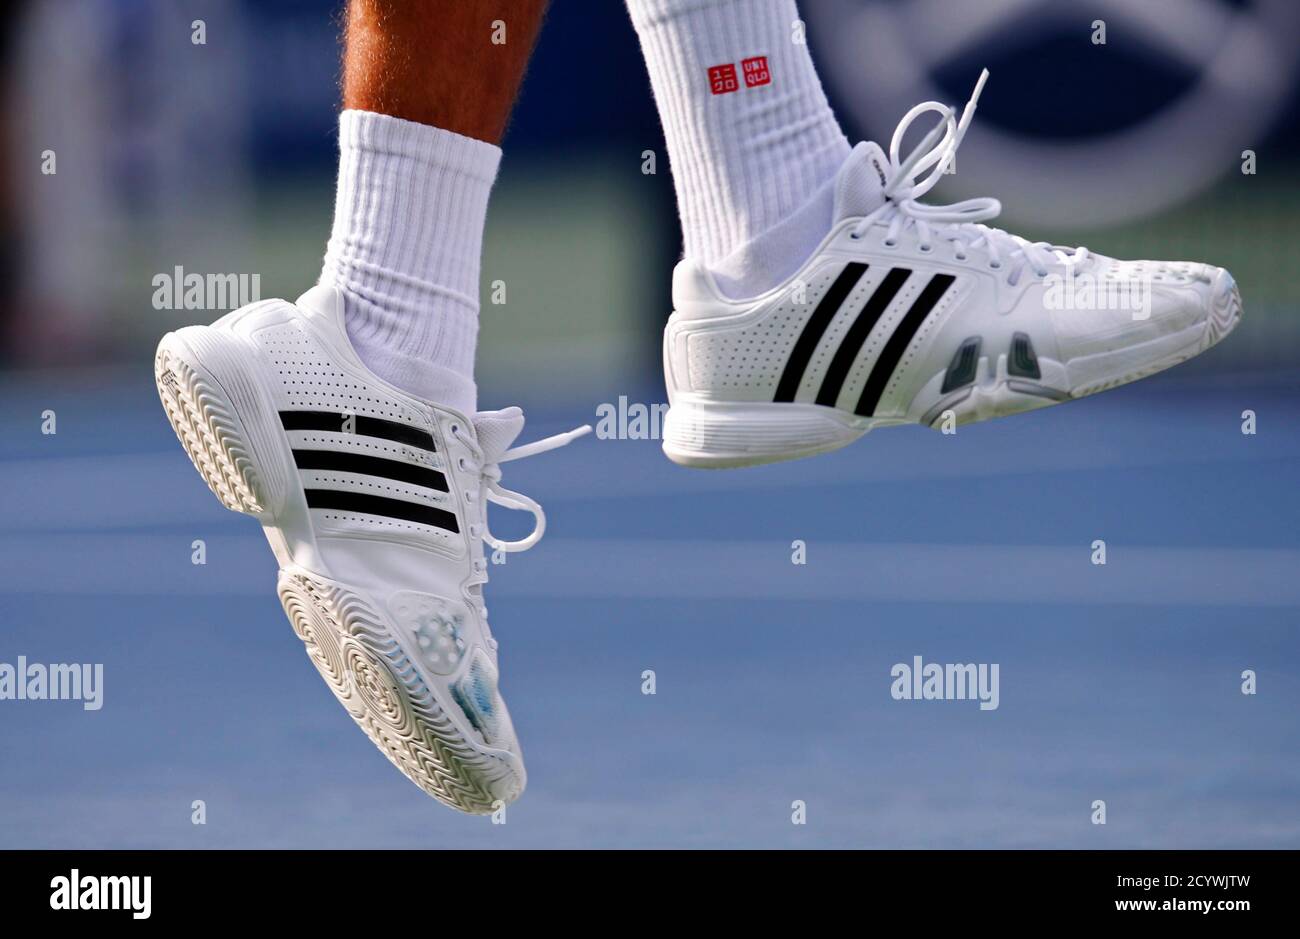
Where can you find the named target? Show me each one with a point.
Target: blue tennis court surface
(1119, 683)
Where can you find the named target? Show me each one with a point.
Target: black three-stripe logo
(346, 462)
(855, 337)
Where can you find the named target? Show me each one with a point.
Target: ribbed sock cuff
(405, 250)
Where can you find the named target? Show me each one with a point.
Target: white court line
(101, 564)
(139, 490)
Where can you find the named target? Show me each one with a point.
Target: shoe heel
(719, 435)
(218, 411)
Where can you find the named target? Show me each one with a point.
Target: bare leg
(455, 65)
(427, 90)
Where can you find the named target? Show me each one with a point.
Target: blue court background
(1119, 683)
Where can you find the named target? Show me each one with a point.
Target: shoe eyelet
(925, 249)
(959, 257)
(889, 243)
(995, 265)
(854, 236)
(460, 464)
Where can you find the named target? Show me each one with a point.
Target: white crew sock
(754, 166)
(405, 251)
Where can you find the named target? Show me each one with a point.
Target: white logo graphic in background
(881, 55)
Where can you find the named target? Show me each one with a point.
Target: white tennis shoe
(374, 503)
(914, 313)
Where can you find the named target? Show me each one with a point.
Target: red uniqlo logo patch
(756, 72)
(722, 79)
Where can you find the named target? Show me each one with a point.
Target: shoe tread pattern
(209, 433)
(382, 690)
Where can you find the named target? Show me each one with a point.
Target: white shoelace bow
(959, 221)
(490, 474)
(489, 471)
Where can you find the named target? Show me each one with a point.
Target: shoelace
(959, 221)
(489, 473)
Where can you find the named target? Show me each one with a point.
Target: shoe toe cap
(1134, 302)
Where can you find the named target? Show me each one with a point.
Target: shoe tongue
(860, 184)
(497, 430)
